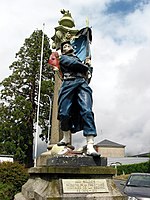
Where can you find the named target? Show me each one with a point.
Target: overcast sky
(120, 58)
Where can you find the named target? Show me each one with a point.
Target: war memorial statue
(75, 95)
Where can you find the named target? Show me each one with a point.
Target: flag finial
(87, 22)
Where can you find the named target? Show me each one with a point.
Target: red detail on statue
(54, 61)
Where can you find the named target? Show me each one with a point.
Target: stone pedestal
(71, 177)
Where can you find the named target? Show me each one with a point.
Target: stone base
(42, 189)
(76, 160)
(77, 181)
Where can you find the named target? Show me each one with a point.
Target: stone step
(20, 196)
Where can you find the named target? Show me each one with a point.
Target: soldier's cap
(63, 43)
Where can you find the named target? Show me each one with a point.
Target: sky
(120, 59)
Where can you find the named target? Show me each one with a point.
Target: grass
(122, 177)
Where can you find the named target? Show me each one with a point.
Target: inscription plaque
(84, 185)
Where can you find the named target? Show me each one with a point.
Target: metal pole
(38, 108)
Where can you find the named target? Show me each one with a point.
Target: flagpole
(38, 104)
(87, 22)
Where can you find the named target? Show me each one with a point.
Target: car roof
(148, 174)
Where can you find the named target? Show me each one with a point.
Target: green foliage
(12, 177)
(6, 191)
(19, 96)
(134, 168)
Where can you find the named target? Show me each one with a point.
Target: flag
(81, 43)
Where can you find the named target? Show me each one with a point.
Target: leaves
(19, 96)
(12, 177)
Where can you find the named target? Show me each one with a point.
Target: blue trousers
(74, 103)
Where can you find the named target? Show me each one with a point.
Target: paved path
(120, 187)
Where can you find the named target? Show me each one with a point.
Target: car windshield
(139, 181)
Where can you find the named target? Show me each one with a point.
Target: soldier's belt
(73, 76)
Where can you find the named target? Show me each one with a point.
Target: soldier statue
(75, 95)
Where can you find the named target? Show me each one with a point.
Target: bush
(12, 177)
(128, 169)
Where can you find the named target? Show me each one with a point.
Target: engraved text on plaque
(84, 185)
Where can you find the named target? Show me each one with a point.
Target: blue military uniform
(75, 97)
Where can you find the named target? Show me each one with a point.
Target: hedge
(12, 177)
(134, 168)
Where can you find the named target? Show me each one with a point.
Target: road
(119, 186)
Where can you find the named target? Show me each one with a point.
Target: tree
(19, 96)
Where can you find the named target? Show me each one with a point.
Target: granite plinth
(78, 160)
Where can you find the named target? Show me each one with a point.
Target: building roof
(142, 155)
(108, 143)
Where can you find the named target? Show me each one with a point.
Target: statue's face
(67, 48)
